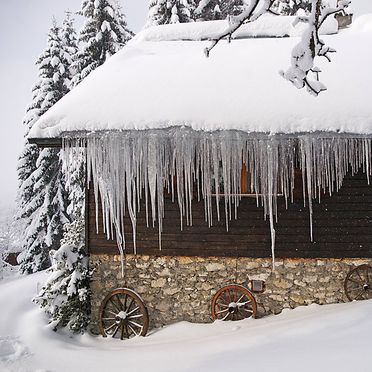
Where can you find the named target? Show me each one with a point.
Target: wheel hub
(366, 287)
(233, 307)
(121, 316)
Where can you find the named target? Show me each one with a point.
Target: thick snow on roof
(158, 84)
(266, 26)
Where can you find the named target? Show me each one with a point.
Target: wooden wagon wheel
(123, 315)
(233, 302)
(358, 283)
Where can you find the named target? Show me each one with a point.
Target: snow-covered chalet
(208, 171)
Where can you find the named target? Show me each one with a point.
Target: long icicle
(128, 166)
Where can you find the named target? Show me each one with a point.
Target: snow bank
(266, 26)
(326, 338)
(152, 84)
(363, 23)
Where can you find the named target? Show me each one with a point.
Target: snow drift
(328, 338)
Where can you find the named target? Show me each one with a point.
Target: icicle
(130, 166)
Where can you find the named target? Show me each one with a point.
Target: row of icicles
(127, 168)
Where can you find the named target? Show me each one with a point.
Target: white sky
(23, 30)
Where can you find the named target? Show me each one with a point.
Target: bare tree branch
(311, 46)
(303, 55)
(250, 13)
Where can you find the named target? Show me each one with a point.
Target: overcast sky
(23, 30)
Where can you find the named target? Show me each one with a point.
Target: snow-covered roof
(265, 26)
(156, 83)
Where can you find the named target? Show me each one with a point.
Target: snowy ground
(322, 338)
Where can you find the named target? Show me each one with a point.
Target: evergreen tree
(125, 32)
(69, 46)
(28, 157)
(210, 10)
(102, 35)
(291, 7)
(104, 32)
(231, 7)
(75, 174)
(170, 11)
(42, 198)
(65, 296)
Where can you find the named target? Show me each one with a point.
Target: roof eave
(46, 142)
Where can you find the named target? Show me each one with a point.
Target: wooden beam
(46, 142)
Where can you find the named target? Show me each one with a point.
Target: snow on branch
(202, 5)
(303, 72)
(251, 12)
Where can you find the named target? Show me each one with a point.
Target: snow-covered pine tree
(104, 32)
(210, 10)
(42, 198)
(291, 7)
(170, 11)
(125, 33)
(27, 160)
(65, 296)
(74, 177)
(69, 46)
(231, 7)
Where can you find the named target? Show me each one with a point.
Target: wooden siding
(342, 226)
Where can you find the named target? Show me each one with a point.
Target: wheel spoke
(132, 330)
(116, 330)
(247, 310)
(109, 311)
(114, 304)
(358, 273)
(235, 295)
(241, 304)
(360, 294)
(240, 298)
(125, 300)
(132, 311)
(367, 274)
(135, 316)
(110, 327)
(222, 311)
(122, 331)
(226, 316)
(126, 331)
(109, 319)
(135, 324)
(130, 304)
(355, 288)
(354, 281)
(119, 302)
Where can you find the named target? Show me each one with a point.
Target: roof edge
(46, 142)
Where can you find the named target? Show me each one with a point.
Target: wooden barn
(205, 172)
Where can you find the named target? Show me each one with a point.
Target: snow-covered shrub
(65, 296)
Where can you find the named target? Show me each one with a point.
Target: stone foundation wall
(181, 288)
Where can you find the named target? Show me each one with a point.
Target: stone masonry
(181, 288)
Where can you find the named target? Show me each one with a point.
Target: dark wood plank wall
(342, 226)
